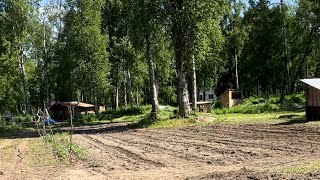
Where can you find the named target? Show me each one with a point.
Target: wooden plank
(317, 98)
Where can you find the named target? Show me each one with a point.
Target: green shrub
(256, 105)
(61, 147)
(24, 118)
(111, 114)
(295, 98)
(2, 121)
(217, 104)
(88, 118)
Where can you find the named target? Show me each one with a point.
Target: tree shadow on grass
(16, 133)
(292, 119)
(82, 128)
(107, 127)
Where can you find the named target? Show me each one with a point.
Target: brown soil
(207, 152)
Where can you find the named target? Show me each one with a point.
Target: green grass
(313, 167)
(263, 118)
(9, 130)
(256, 105)
(167, 119)
(176, 123)
(61, 147)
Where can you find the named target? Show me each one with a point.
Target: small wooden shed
(231, 97)
(60, 110)
(312, 92)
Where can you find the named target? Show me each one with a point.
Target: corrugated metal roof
(312, 82)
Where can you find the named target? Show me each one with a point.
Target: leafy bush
(24, 118)
(256, 105)
(111, 114)
(296, 98)
(89, 118)
(2, 121)
(217, 104)
(61, 147)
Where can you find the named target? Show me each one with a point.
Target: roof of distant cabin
(312, 82)
(76, 104)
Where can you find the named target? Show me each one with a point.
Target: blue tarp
(50, 121)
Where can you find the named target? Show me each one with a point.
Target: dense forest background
(132, 52)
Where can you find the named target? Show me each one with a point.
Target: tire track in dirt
(195, 147)
(181, 153)
(130, 157)
(248, 141)
(285, 149)
(235, 142)
(174, 152)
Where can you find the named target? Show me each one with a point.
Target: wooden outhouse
(231, 97)
(312, 92)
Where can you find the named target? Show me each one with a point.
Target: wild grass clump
(306, 168)
(111, 114)
(24, 118)
(166, 118)
(88, 118)
(128, 111)
(256, 105)
(61, 147)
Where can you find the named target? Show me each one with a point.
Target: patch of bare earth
(212, 152)
(205, 152)
(12, 159)
(26, 158)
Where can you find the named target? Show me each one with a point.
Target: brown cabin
(312, 92)
(60, 110)
(231, 97)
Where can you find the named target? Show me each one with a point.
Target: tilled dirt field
(203, 152)
(197, 152)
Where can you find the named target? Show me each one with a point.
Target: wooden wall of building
(231, 98)
(312, 103)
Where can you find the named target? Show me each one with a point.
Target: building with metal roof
(312, 92)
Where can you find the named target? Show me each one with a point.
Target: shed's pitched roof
(312, 82)
(76, 104)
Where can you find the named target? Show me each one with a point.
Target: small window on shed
(210, 96)
(236, 95)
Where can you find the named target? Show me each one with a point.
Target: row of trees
(132, 52)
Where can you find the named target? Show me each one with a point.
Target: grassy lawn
(167, 119)
(7, 131)
(263, 118)
(312, 167)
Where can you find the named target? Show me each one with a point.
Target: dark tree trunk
(304, 58)
(153, 87)
(96, 106)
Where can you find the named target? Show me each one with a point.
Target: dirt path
(18, 159)
(209, 152)
(12, 153)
